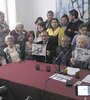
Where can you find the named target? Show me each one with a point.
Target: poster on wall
(82, 6)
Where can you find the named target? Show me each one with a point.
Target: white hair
(83, 38)
(9, 37)
(19, 23)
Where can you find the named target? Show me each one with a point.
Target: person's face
(39, 21)
(63, 21)
(49, 16)
(65, 42)
(71, 18)
(44, 37)
(1, 18)
(10, 43)
(54, 23)
(30, 39)
(40, 28)
(81, 44)
(83, 31)
(19, 28)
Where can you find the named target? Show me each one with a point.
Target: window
(9, 9)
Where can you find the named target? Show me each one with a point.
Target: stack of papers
(60, 77)
(72, 71)
(86, 79)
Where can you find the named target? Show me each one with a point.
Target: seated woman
(12, 51)
(20, 35)
(28, 46)
(82, 61)
(56, 31)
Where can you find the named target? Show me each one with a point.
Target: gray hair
(65, 36)
(19, 23)
(9, 37)
(83, 38)
(1, 13)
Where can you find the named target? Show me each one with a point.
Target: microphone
(58, 71)
(59, 56)
(29, 98)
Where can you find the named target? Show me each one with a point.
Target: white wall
(29, 10)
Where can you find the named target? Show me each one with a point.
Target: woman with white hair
(19, 34)
(12, 51)
(81, 55)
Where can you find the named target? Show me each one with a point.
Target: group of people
(60, 38)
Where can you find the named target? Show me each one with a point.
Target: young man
(72, 28)
(50, 15)
(82, 31)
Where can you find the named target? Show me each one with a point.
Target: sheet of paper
(82, 54)
(38, 49)
(87, 79)
(60, 77)
(72, 71)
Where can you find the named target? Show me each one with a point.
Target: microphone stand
(59, 63)
(59, 70)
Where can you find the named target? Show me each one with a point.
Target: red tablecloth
(26, 74)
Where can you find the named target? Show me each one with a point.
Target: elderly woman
(12, 51)
(81, 56)
(19, 34)
(4, 30)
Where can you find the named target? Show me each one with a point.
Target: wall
(29, 10)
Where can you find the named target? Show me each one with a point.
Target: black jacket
(74, 27)
(68, 54)
(51, 47)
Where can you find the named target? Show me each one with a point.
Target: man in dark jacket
(72, 28)
(63, 52)
(50, 48)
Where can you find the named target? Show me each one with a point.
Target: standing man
(72, 28)
(50, 15)
(4, 30)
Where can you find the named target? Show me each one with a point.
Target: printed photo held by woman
(81, 55)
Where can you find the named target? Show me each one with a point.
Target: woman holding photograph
(82, 42)
(28, 46)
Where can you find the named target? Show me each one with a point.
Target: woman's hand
(73, 60)
(19, 60)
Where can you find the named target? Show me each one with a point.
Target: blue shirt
(75, 43)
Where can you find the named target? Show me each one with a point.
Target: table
(22, 80)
